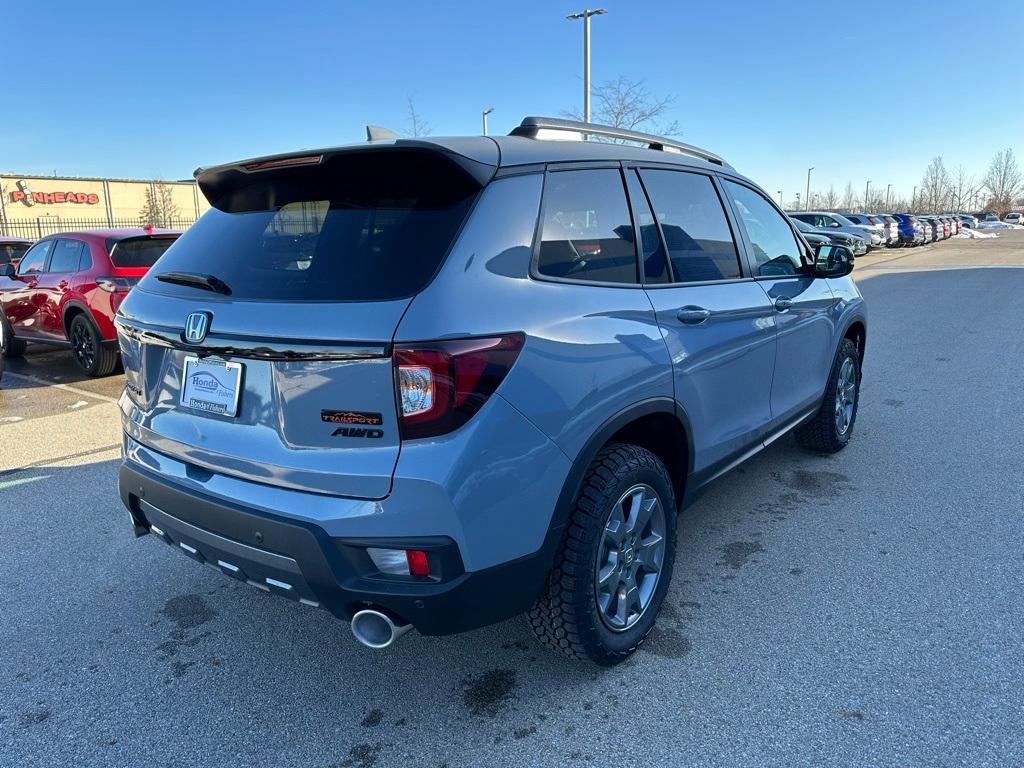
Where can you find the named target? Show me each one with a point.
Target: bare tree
(625, 103)
(417, 125)
(962, 188)
(159, 208)
(848, 197)
(1003, 182)
(829, 200)
(934, 189)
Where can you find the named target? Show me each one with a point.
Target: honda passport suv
(436, 383)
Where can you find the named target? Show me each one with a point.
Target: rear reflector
(418, 565)
(442, 384)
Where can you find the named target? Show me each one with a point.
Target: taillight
(442, 384)
(116, 284)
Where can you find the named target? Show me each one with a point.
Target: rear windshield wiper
(196, 280)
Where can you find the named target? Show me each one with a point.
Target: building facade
(33, 206)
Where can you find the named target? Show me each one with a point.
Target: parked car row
(878, 230)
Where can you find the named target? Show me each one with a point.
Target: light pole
(887, 188)
(585, 15)
(798, 201)
(866, 188)
(807, 197)
(913, 200)
(484, 114)
(779, 192)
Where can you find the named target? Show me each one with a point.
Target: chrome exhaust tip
(377, 630)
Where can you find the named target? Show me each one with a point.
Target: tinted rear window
(368, 227)
(11, 252)
(139, 252)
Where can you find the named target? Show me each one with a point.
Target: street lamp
(779, 192)
(484, 114)
(866, 188)
(913, 200)
(807, 197)
(585, 15)
(798, 201)
(887, 188)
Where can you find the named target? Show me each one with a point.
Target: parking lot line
(65, 387)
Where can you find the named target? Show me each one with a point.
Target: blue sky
(865, 90)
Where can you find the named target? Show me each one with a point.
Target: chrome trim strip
(248, 347)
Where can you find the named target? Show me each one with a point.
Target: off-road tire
(565, 617)
(820, 433)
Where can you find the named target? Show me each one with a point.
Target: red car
(67, 288)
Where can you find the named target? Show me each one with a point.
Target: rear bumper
(300, 561)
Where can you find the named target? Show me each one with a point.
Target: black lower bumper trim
(300, 561)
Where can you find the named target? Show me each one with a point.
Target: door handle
(782, 303)
(63, 284)
(693, 315)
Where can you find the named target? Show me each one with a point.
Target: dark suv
(436, 383)
(67, 288)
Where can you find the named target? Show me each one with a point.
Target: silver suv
(437, 383)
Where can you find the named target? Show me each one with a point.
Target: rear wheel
(615, 562)
(88, 349)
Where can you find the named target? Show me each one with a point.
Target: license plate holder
(211, 386)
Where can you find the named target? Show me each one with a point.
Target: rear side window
(587, 232)
(138, 252)
(66, 254)
(693, 223)
(367, 226)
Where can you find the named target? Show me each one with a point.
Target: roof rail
(531, 126)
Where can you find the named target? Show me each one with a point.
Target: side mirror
(833, 261)
(6, 270)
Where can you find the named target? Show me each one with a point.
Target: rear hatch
(289, 291)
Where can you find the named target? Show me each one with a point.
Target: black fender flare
(590, 449)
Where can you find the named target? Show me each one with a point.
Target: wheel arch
(651, 424)
(857, 332)
(70, 311)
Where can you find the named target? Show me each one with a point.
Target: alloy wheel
(846, 396)
(83, 345)
(630, 557)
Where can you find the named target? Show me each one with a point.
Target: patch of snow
(998, 225)
(79, 404)
(973, 234)
(11, 419)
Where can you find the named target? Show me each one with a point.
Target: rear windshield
(139, 252)
(11, 252)
(372, 228)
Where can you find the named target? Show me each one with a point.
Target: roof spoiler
(531, 126)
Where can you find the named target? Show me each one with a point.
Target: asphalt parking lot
(861, 609)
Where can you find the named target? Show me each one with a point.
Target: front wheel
(92, 356)
(832, 426)
(615, 562)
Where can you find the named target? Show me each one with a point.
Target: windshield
(803, 226)
(843, 221)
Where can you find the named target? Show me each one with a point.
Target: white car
(1014, 217)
